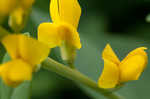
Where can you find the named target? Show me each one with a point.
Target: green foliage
(5, 91)
(22, 92)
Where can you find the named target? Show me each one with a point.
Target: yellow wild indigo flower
(62, 32)
(26, 53)
(19, 15)
(116, 72)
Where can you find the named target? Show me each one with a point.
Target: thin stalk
(76, 76)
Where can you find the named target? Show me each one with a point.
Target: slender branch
(76, 76)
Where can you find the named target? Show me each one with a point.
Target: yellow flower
(26, 53)
(65, 15)
(19, 15)
(116, 72)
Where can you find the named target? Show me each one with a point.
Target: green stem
(71, 65)
(76, 76)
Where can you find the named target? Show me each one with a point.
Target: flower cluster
(26, 53)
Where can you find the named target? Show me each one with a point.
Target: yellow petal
(27, 3)
(110, 75)
(32, 51)
(16, 19)
(70, 35)
(11, 44)
(48, 34)
(137, 51)
(75, 40)
(18, 13)
(6, 6)
(110, 55)
(68, 11)
(133, 65)
(54, 10)
(29, 49)
(15, 72)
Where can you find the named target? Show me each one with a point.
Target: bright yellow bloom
(116, 72)
(65, 15)
(26, 53)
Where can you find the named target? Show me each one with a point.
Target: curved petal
(76, 40)
(110, 55)
(21, 46)
(68, 11)
(33, 51)
(137, 51)
(132, 67)
(17, 16)
(110, 75)
(12, 46)
(54, 10)
(48, 34)
(15, 72)
(17, 19)
(69, 34)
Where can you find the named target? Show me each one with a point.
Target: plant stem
(71, 65)
(76, 76)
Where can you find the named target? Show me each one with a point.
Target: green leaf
(5, 91)
(22, 92)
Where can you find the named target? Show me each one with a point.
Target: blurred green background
(121, 23)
